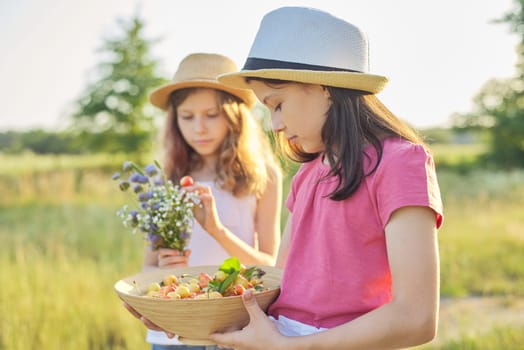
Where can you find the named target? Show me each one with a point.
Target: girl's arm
(284, 244)
(267, 225)
(408, 320)
(267, 221)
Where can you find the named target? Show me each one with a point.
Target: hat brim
(160, 96)
(350, 80)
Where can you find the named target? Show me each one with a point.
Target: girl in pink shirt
(359, 252)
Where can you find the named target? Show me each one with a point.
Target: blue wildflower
(142, 179)
(153, 228)
(151, 170)
(158, 181)
(134, 177)
(163, 211)
(142, 196)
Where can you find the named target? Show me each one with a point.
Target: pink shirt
(337, 268)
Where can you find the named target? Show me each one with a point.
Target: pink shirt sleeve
(407, 178)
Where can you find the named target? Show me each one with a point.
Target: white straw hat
(309, 46)
(201, 70)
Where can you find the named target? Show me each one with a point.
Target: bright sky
(437, 54)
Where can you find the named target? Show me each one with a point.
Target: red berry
(239, 289)
(186, 181)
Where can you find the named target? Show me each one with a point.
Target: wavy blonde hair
(245, 163)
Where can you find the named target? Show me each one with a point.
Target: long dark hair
(355, 119)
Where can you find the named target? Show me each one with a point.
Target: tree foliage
(113, 113)
(39, 141)
(499, 106)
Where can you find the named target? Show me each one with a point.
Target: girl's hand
(260, 333)
(146, 322)
(206, 213)
(168, 258)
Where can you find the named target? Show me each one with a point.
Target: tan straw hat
(309, 46)
(201, 70)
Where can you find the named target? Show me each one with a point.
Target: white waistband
(289, 327)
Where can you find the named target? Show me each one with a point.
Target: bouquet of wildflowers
(163, 212)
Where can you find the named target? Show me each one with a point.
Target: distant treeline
(471, 149)
(39, 141)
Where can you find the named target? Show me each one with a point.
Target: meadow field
(62, 248)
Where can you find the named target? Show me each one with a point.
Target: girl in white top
(211, 136)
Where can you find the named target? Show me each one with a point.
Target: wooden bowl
(194, 319)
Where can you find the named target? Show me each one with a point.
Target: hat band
(262, 63)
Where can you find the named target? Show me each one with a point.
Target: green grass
(482, 238)
(28, 163)
(457, 153)
(59, 264)
(500, 338)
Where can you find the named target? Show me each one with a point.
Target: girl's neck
(208, 170)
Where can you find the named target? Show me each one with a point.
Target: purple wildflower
(142, 179)
(153, 228)
(151, 170)
(134, 177)
(163, 211)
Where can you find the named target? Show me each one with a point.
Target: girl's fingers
(173, 258)
(173, 261)
(151, 325)
(252, 307)
(132, 311)
(206, 198)
(198, 188)
(145, 321)
(165, 252)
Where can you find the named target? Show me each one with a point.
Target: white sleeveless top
(238, 215)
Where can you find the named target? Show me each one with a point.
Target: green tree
(499, 106)
(113, 113)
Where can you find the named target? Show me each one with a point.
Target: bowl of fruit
(194, 302)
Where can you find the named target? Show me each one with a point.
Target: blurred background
(75, 76)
